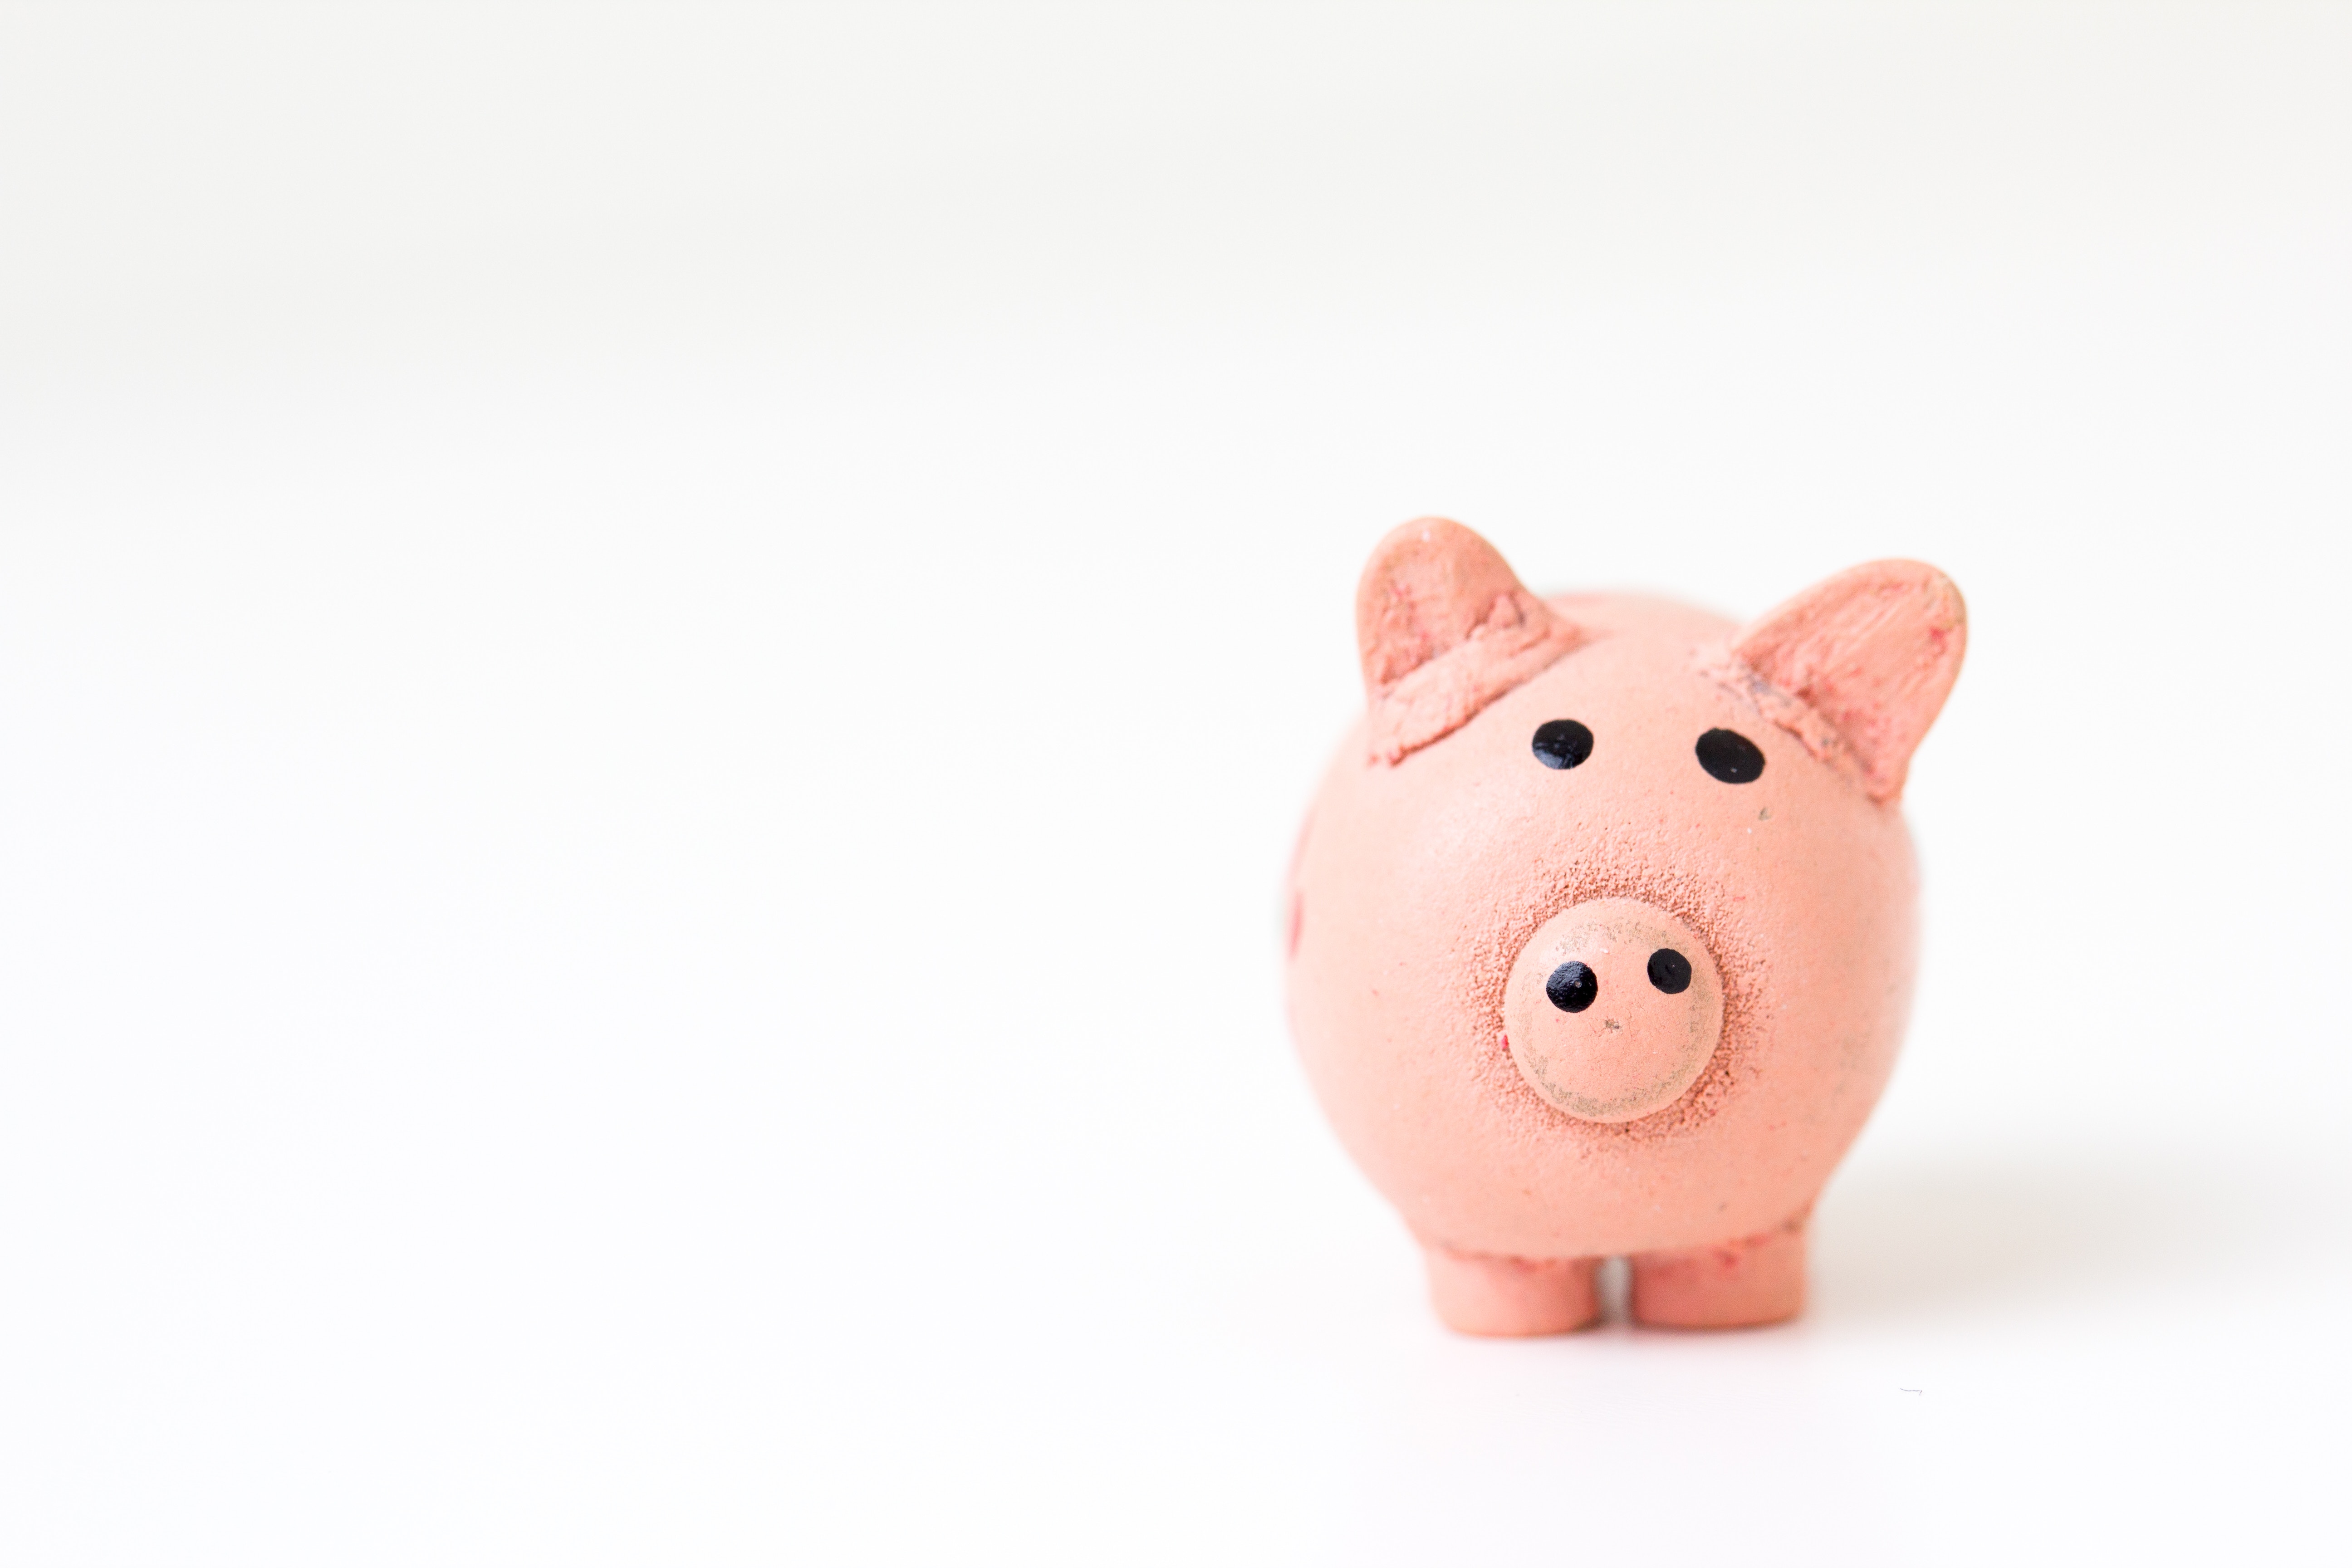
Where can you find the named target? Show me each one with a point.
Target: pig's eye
(1670, 971)
(1562, 743)
(1572, 988)
(1730, 755)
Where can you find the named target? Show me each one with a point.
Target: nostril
(1572, 988)
(1670, 971)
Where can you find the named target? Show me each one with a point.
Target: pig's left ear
(1444, 628)
(1870, 653)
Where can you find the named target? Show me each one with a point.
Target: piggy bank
(1600, 928)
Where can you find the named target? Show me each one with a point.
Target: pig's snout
(1612, 1009)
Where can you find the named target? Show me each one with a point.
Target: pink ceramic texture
(1637, 1005)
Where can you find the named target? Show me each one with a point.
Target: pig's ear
(1871, 653)
(1444, 628)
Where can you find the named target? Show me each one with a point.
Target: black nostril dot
(1572, 988)
(1670, 971)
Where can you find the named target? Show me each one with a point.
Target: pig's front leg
(1475, 1294)
(1729, 1285)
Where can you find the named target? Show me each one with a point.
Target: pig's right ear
(1444, 628)
(1858, 666)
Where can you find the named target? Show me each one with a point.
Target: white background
(656, 666)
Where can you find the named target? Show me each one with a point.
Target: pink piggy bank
(1600, 927)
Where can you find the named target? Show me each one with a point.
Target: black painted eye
(1572, 988)
(1670, 971)
(1562, 743)
(1730, 756)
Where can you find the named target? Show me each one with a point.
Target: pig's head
(1600, 867)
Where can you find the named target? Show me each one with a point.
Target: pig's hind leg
(1729, 1285)
(1477, 1294)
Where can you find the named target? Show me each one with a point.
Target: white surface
(655, 670)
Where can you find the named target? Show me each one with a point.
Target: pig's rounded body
(1421, 881)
